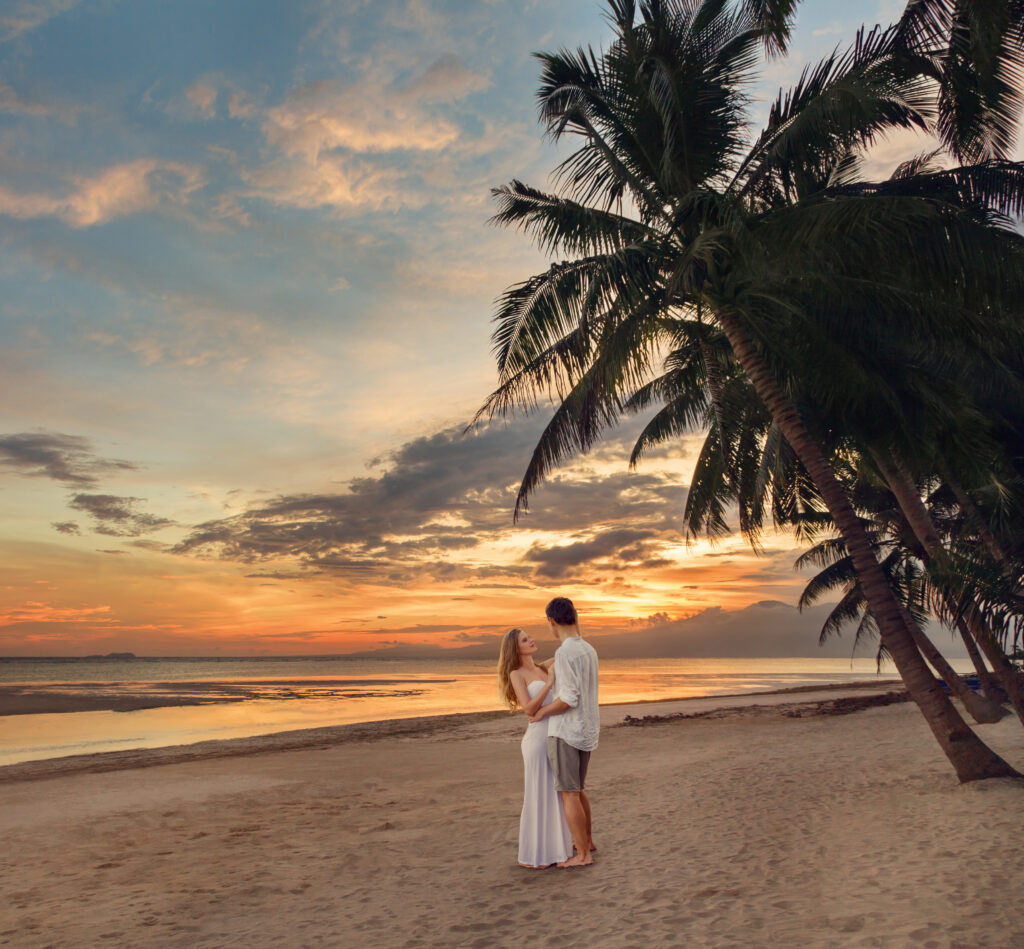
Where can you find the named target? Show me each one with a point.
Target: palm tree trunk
(920, 521)
(971, 758)
(979, 707)
(971, 511)
(1003, 669)
(713, 374)
(989, 685)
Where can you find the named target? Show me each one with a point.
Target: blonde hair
(508, 661)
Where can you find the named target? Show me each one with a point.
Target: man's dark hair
(561, 610)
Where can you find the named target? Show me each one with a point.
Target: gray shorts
(569, 764)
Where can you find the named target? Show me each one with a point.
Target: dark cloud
(615, 546)
(65, 527)
(477, 639)
(449, 492)
(419, 628)
(655, 619)
(769, 629)
(116, 516)
(66, 458)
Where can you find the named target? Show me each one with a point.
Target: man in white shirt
(574, 725)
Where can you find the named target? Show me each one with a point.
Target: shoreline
(68, 698)
(325, 737)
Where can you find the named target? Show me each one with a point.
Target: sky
(248, 281)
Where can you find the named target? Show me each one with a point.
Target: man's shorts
(569, 764)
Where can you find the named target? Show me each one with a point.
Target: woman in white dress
(544, 837)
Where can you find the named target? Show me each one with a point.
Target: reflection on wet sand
(56, 713)
(58, 697)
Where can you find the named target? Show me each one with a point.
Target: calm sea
(280, 694)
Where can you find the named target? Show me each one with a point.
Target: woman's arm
(546, 664)
(557, 707)
(528, 705)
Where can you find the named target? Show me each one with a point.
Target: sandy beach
(755, 821)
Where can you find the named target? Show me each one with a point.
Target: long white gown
(544, 836)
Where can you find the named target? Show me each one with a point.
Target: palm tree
(665, 210)
(905, 564)
(745, 462)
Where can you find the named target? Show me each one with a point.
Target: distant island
(114, 656)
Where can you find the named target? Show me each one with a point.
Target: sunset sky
(247, 288)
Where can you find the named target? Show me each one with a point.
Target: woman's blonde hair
(508, 661)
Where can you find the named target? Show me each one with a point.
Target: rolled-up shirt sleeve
(567, 681)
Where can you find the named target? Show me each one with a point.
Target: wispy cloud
(66, 458)
(204, 97)
(333, 139)
(35, 612)
(21, 16)
(126, 188)
(13, 104)
(117, 516)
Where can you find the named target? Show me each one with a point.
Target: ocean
(257, 696)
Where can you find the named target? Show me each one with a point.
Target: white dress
(544, 836)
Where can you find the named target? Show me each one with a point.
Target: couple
(561, 703)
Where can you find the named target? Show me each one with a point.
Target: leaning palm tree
(667, 211)
(745, 463)
(905, 563)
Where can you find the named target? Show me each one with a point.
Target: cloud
(437, 505)
(618, 547)
(423, 628)
(21, 16)
(337, 181)
(116, 516)
(127, 188)
(767, 629)
(65, 527)
(34, 612)
(204, 97)
(239, 107)
(327, 115)
(655, 619)
(66, 458)
(12, 104)
(334, 141)
(445, 80)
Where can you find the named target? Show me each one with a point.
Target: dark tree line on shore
(852, 348)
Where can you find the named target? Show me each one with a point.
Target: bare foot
(593, 846)
(576, 861)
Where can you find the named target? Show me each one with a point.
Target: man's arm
(567, 682)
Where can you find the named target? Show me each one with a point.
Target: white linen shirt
(576, 685)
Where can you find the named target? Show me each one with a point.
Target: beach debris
(840, 706)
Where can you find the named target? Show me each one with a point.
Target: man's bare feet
(576, 861)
